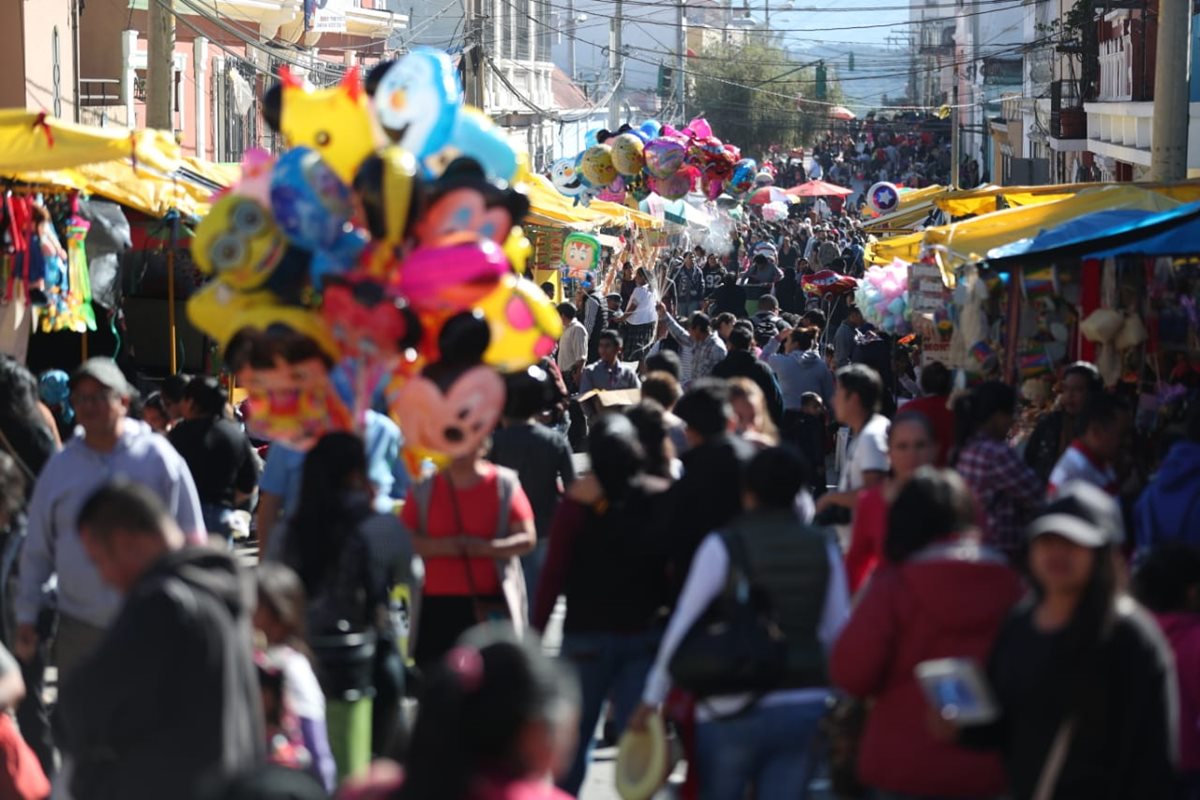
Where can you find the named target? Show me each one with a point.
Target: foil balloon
(517, 249)
(567, 178)
(664, 157)
(366, 321)
(339, 257)
(628, 154)
(390, 191)
(285, 372)
(255, 180)
(238, 242)
(650, 129)
(450, 409)
(524, 324)
(311, 204)
(677, 185)
(742, 179)
(883, 197)
(477, 137)
(597, 165)
(463, 204)
(699, 128)
(581, 254)
(452, 278)
(335, 122)
(417, 101)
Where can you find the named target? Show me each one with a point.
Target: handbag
(736, 647)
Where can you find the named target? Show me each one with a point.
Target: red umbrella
(767, 194)
(819, 189)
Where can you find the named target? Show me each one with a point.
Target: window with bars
(521, 31)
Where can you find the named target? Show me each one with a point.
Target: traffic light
(821, 80)
(666, 80)
(850, 66)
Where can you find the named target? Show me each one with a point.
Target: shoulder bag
(736, 647)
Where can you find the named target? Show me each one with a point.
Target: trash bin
(346, 670)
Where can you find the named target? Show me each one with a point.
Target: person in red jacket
(934, 403)
(940, 593)
(911, 446)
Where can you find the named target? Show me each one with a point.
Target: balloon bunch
(383, 244)
(882, 295)
(626, 166)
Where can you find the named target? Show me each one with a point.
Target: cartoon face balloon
(628, 153)
(477, 137)
(451, 423)
(417, 101)
(567, 178)
(450, 278)
(367, 321)
(597, 165)
(742, 179)
(239, 242)
(524, 324)
(335, 122)
(664, 157)
(310, 202)
(581, 253)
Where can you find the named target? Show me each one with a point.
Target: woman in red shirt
(465, 539)
(911, 445)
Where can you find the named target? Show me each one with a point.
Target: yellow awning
(626, 215)
(905, 247)
(984, 199)
(31, 141)
(973, 238)
(550, 207)
(142, 189)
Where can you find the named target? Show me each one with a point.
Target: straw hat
(643, 761)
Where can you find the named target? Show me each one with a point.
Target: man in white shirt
(572, 345)
(856, 405)
(1090, 458)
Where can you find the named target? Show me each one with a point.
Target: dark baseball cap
(1083, 513)
(105, 372)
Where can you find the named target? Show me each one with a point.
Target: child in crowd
(280, 618)
(21, 776)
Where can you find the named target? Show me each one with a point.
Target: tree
(752, 93)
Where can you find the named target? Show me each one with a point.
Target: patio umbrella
(767, 194)
(819, 189)
(841, 112)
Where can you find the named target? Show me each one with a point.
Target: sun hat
(643, 761)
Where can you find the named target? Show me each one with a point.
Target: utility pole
(473, 64)
(955, 134)
(681, 52)
(1169, 127)
(160, 65)
(571, 39)
(767, 17)
(615, 63)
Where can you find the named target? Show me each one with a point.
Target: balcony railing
(1068, 120)
(1116, 68)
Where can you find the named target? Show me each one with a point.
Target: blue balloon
(417, 101)
(650, 129)
(310, 203)
(590, 138)
(477, 137)
(339, 258)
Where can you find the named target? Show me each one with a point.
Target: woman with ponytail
(1008, 492)
(608, 557)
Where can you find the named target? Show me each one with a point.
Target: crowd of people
(752, 514)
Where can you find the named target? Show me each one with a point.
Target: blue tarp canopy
(1108, 233)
